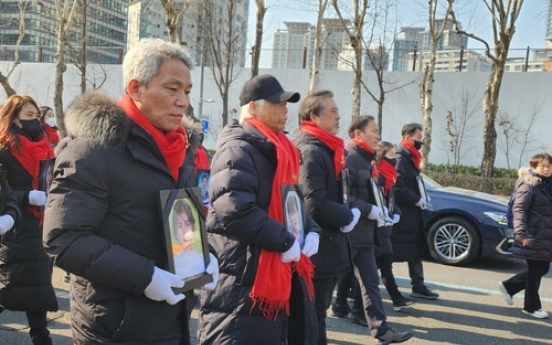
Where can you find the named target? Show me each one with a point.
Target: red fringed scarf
(389, 173)
(362, 145)
(172, 144)
(272, 286)
(52, 134)
(30, 155)
(416, 155)
(334, 142)
(201, 158)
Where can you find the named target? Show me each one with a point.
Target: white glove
(160, 287)
(356, 216)
(311, 244)
(7, 222)
(292, 254)
(37, 198)
(385, 212)
(428, 199)
(376, 214)
(396, 218)
(213, 270)
(422, 204)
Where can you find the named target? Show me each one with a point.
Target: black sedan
(462, 225)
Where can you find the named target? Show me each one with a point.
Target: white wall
(519, 94)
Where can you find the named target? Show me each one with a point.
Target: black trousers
(385, 264)
(40, 335)
(323, 290)
(530, 281)
(345, 289)
(416, 271)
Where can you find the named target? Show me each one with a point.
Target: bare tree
(527, 135)
(356, 41)
(426, 86)
(63, 14)
(504, 14)
(256, 49)
(175, 11)
(510, 134)
(20, 20)
(315, 68)
(224, 38)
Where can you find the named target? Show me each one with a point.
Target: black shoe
(358, 318)
(403, 303)
(340, 310)
(392, 336)
(424, 292)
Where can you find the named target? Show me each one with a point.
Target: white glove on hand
(37, 198)
(376, 214)
(7, 222)
(396, 218)
(292, 254)
(213, 270)
(160, 287)
(385, 212)
(422, 204)
(356, 216)
(311, 244)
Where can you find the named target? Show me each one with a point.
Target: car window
(429, 183)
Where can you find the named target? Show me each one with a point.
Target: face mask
(417, 145)
(51, 122)
(32, 128)
(391, 161)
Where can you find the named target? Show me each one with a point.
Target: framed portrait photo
(378, 196)
(46, 174)
(421, 188)
(3, 189)
(345, 187)
(185, 236)
(294, 212)
(204, 183)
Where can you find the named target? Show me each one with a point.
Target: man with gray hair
(265, 271)
(102, 221)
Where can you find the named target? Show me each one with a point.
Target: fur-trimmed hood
(528, 176)
(96, 116)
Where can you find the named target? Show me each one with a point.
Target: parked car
(462, 225)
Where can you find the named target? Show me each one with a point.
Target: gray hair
(143, 60)
(246, 111)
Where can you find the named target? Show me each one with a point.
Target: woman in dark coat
(532, 212)
(25, 269)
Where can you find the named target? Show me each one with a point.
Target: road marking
(473, 289)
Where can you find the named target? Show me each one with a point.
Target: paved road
(470, 311)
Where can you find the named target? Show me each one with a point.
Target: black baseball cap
(266, 87)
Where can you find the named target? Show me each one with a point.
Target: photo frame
(204, 183)
(46, 174)
(3, 189)
(378, 196)
(421, 188)
(295, 216)
(345, 187)
(185, 236)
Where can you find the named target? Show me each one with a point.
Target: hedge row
(470, 170)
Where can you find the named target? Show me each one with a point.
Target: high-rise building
(104, 22)
(452, 61)
(147, 18)
(548, 34)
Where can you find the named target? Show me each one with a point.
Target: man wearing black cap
(264, 270)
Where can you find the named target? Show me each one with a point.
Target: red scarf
(30, 155)
(272, 286)
(389, 173)
(362, 145)
(51, 133)
(334, 142)
(201, 158)
(416, 155)
(172, 144)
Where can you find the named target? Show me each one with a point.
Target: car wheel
(453, 241)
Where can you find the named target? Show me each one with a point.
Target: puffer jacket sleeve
(402, 191)
(311, 225)
(11, 206)
(81, 181)
(234, 185)
(312, 182)
(521, 210)
(364, 206)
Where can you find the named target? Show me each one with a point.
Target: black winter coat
(386, 246)
(362, 196)
(408, 233)
(532, 212)
(25, 269)
(103, 225)
(323, 201)
(242, 172)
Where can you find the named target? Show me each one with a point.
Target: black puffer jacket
(532, 212)
(25, 269)
(103, 225)
(407, 234)
(362, 196)
(323, 201)
(242, 172)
